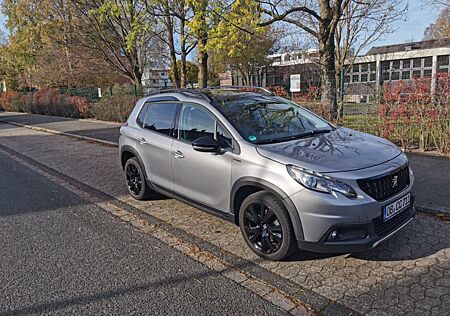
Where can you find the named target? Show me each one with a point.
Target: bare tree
(319, 19)
(123, 33)
(363, 23)
(441, 28)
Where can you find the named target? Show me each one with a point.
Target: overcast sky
(420, 15)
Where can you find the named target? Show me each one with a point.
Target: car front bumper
(376, 230)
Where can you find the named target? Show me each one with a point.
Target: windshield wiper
(288, 138)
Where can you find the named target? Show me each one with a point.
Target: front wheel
(266, 226)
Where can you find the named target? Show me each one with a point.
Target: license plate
(396, 207)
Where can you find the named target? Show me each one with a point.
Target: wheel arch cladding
(249, 185)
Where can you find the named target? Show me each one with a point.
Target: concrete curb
(420, 208)
(51, 131)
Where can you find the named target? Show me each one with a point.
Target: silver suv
(287, 177)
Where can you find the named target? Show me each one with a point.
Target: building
(364, 76)
(279, 71)
(156, 79)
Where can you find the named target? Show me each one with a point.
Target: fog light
(333, 234)
(347, 234)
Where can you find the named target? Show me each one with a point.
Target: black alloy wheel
(263, 228)
(266, 226)
(134, 179)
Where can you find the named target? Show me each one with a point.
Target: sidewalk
(432, 174)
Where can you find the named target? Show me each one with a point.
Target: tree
(363, 23)
(191, 72)
(200, 24)
(318, 19)
(239, 43)
(333, 23)
(441, 28)
(174, 15)
(123, 33)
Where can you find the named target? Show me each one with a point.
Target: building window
(396, 64)
(443, 63)
(373, 76)
(355, 78)
(427, 62)
(427, 73)
(347, 78)
(443, 60)
(355, 68)
(406, 64)
(395, 75)
(363, 77)
(416, 73)
(406, 75)
(417, 62)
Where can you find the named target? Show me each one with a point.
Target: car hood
(342, 149)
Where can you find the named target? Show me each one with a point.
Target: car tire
(266, 226)
(135, 180)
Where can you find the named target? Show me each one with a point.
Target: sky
(420, 15)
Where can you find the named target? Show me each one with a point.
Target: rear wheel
(135, 180)
(266, 226)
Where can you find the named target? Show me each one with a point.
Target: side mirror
(206, 144)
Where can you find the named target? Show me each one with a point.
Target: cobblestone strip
(262, 288)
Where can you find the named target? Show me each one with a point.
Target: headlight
(317, 182)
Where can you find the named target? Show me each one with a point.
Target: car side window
(141, 117)
(194, 123)
(224, 137)
(160, 117)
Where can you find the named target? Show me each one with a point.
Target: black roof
(224, 93)
(409, 46)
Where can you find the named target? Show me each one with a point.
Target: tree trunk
(328, 80)
(184, 82)
(170, 39)
(137, 74)
(202, 56)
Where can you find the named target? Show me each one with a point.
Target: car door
(155, 140)
(201, 176)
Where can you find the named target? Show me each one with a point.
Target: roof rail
(198, 92)
(261, 89)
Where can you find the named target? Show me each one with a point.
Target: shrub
(45, 101)
(113, 108)
(411, 115)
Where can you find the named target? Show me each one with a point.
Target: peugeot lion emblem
(394, 181)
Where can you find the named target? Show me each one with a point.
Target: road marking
(260, 287)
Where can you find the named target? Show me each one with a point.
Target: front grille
(383, 188)
(384, 228)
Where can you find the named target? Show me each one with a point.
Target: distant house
(156, 79)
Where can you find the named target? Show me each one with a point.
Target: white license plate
(396, 207)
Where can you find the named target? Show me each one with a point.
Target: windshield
(269, 120)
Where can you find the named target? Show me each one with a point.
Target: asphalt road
(59, 255)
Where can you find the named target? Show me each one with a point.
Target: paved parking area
(409, 274)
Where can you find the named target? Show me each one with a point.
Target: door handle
(142, 141)
(177, 154)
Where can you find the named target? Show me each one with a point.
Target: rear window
(158, 117)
